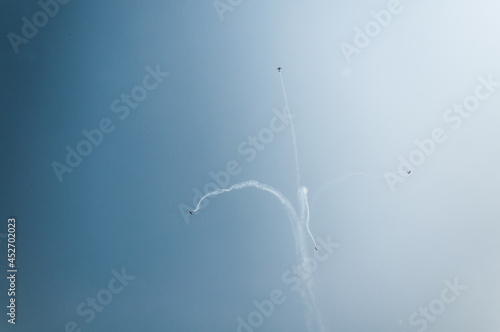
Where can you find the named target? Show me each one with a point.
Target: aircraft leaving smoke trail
(297, 233)
(275, 192)
(307, 293)
(301, 191)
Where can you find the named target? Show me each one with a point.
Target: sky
(118, 116)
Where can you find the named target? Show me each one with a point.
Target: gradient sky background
(119, 209)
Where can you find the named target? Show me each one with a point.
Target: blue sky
(388, 252)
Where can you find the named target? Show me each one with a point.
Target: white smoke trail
(305, 213)
(255, 184)
(290, 209)
(298, 232)
(307, 293)
(304, 203)
(287, 110)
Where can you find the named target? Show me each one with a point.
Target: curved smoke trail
(290, 209)
(298, 232)
(255, 184)
(305, 211)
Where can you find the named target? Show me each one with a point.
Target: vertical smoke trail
(298, 231)
(306, 293)
(287, 110)
(297, 168)
(305, 214)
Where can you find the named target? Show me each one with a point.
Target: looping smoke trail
(305, 213)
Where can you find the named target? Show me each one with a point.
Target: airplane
(191, 212)
(409, 172)
(279, 68)
(316, 248)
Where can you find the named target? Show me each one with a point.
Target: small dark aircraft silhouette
(191, 212)
(316, 248)
(409, 172)
(279, 68)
